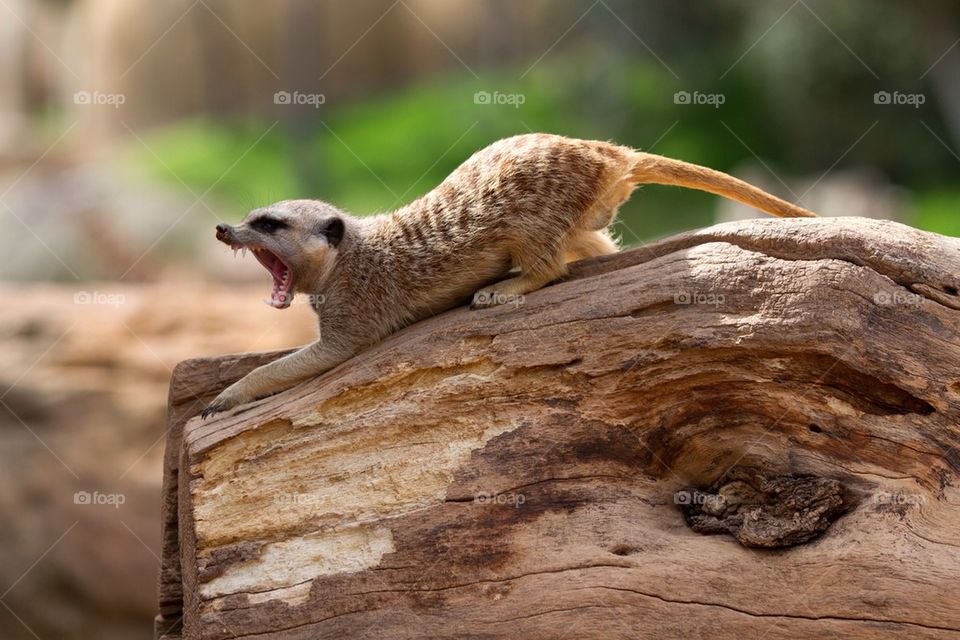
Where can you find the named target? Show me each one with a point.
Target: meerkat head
(296, 240)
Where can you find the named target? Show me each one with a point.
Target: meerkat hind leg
(589, 244)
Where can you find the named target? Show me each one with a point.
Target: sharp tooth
(244, 252)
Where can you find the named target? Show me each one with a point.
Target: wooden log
(745, 431)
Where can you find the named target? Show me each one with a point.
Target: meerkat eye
(267, 224)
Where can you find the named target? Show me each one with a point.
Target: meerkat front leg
(282, 373)
(536, 271)
(509, 291)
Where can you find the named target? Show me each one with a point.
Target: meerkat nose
(222, 231)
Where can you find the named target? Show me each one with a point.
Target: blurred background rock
(129, 128)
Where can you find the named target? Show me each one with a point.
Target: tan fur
(530, 203)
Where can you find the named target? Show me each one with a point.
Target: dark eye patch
(266, 224)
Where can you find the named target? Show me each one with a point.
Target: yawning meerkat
(531, 203)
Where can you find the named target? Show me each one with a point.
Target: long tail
(654, 169)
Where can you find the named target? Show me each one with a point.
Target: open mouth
(282, 294)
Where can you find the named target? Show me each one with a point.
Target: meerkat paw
(223, 402)
(486, 298)
(510, 291)
(214, 407)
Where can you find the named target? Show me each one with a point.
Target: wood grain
(514, 472)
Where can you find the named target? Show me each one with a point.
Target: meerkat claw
(218, 405)
(208, 411)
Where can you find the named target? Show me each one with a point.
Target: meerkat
(529, 204)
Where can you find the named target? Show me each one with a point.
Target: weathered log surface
(520, 471)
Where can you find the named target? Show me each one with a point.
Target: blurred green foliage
(938, 209)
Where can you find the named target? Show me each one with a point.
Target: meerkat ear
(332, 229)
